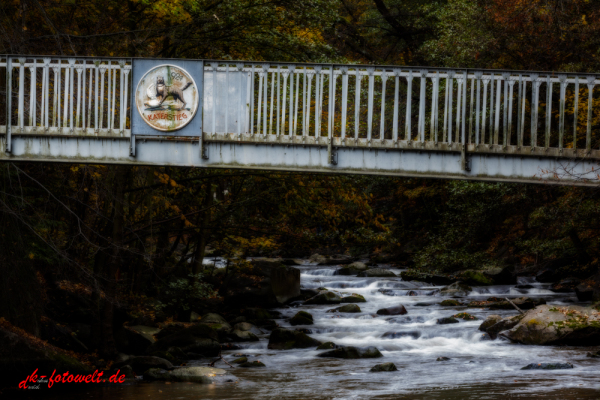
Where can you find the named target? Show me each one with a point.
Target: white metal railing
(364, 104)
(72, 96)
(351, 105)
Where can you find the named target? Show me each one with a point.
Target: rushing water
(477, 369)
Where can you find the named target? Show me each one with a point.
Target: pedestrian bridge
(514, 126)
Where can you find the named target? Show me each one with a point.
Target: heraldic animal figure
(175, 91)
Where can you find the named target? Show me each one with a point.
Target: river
(477, 369)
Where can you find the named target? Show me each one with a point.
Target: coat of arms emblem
(167, 98)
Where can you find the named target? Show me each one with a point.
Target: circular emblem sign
(167, 98)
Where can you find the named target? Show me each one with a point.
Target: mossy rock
(475, 278)
(354, 298)
(450, 303)
(240, 360)
(465, 316)
(302, 318)
(490, 321)
(325, 297)
(348, 308)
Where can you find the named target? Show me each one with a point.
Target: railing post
(9, 74)
(591, 81)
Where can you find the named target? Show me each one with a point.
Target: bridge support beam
(298, 158)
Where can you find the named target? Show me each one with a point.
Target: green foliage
(182, 293)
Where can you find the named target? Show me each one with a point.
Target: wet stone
(253, 364)
(446, 321)
(548, 366)
(385, 367)
(442, 359)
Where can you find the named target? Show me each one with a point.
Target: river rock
(285, 339)
(143, 363)
(457, 289)
(327, 346)
(442, 359)
(548, 325)
(446, 321)
(549, 366)
(358, 265)
(240, 360)
(589, 289)
(348, 308)
(503, 325)
(396, 335)
(135, 339)
(397, 310)
(385, 367)
(302, 318)
(411, 275)
(524, 303)
(465, 316)
(242, 336)
(489, 321)
(450, 303)
(253, 364)
(325, 297)
(246, 326)
(264, 284)
(184, 374)
(354, 298)
(377, 273)
(200, 338)
(349, 352)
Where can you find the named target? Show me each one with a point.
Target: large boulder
(503, 325)
(21, 354)
(489, 321)
(325, 297)
(549, 325)
(589, 289)
(199, 338)
(184, 374)
(377, 273)
(285, 339)
(349, 352)
(143, 363)
(457, 289)
(302, 318)
(411, 275)
(396, 310)
(263, 283)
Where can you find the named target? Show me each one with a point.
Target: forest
(106, 246)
